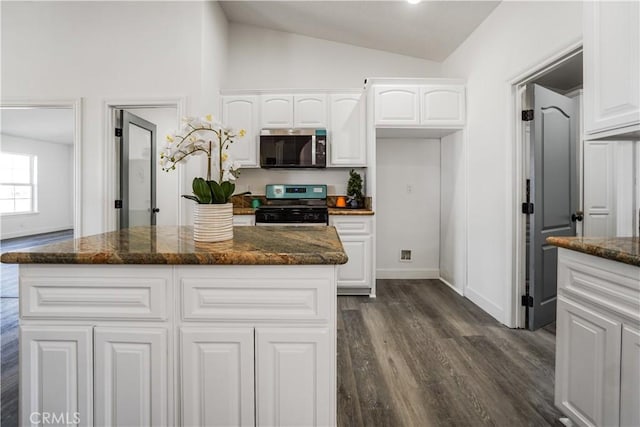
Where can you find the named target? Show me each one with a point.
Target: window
(17, 183)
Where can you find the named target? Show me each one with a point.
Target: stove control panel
(288, 191)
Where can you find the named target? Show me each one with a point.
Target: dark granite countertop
(349, 211)
(622, 249)
(270, 245)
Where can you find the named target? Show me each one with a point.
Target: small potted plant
(354, 190)
(213, 214)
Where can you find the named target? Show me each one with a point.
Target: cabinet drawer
(599, 281)
(50, 292)
(242, 298)
(244, 220)
(351, 225)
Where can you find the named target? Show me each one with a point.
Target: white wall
(515, 37)
(54, 188)
(112, 50)
(453, 211)
(267, 59)
(408, 218)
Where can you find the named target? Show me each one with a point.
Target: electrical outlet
(405, 255)
(409, 189)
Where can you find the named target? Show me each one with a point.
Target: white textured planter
(213, 223)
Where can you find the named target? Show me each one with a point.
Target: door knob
(155, 210)
(578, 216)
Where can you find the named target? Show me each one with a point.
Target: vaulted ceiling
(429, 30)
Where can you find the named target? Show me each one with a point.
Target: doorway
(548, 179)
(133, 173)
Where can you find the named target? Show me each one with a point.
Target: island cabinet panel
(131, 375)
(611, 67)
(56, 375)
(295, 377)
(588, 359)
(630, 377)
(217, 377)
(347, 141)
(241, 112)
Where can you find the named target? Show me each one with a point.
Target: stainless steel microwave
(293, 148)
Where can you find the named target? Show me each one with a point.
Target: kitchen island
(598, 330)
(144, 326)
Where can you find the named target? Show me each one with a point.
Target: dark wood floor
(9, 323)
(418, 355)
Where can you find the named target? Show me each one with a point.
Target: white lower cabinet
(355, 232)
(131, 376)
(588, 357)
(217, 376)
(56, 375)
(244, 220)
(291, 374)
(630, 377)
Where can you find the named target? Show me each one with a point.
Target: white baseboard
(453, 288)
(488, 306)
(405, 273)
(33, 231)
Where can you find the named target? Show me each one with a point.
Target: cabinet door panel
(295, 377)
(397, 105)
(630, 377)
(217, 371)
(56, 365)
(310, 111)
(357, 271)
(276, 111)
(347, 131)
(442, 105)
(131, 376)
(241, 112)
(587, 365)
(611, 65)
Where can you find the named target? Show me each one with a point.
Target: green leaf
(228, 188)
(202, 190)
(190, 197)
(218, 193)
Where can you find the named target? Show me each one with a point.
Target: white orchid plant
(204, 136)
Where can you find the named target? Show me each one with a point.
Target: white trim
(453, 288)
(76, 106)
(109, 162)
(403, 273)
(513, 314)
(484, 303)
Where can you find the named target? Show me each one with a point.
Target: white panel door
(611, 65)
(295, 377)
(131, 376)
(56, 365)
(241, 112)
(397, 105)
(347, 130)
(442, 105)
(587, 365)
(310, 111)
(630, 377)
(357, 271)
(599, 189)
(276, 111)
(216, 373)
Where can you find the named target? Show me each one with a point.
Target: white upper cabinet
(347, 142)
(442, 105)
(397, 105)
(611, 67)
(241, 112)
(310, 111)
(276, 111)
(433, 105)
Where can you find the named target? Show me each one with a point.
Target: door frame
(75, 104)
(109, 155)
(517, 234)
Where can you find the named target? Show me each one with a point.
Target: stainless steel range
(294, 205)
